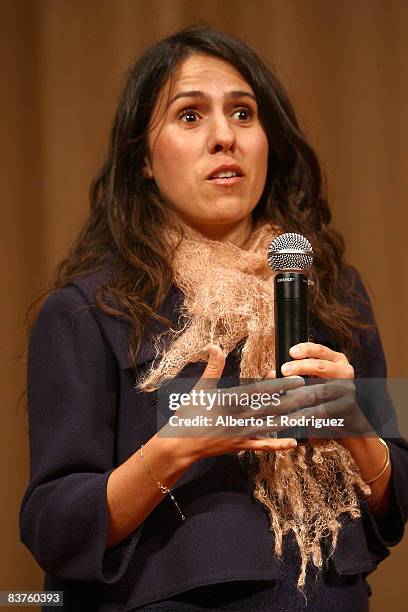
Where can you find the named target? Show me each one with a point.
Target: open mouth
(226, 175)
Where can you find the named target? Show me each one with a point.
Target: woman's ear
(147, 169)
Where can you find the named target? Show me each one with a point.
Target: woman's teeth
(225, 175)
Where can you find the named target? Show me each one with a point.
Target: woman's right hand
(206, 438)
(132, 490)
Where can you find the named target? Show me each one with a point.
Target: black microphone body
(291, 327)
(291, 314)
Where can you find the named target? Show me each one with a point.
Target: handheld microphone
(291, 256)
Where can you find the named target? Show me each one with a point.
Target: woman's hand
(358, 435)
(336, 398)
(312, 359)
(210, 437)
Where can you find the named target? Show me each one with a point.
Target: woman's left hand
(312, 359)
(332, 399)
(336, 398)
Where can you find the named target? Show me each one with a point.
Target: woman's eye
(243, 114)
(188, 116)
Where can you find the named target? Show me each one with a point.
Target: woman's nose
(222, 136)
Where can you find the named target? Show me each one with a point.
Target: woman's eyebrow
(201, 94)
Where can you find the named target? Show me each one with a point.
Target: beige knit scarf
(228, 298)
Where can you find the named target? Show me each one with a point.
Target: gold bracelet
(387, 463)
(165, 490)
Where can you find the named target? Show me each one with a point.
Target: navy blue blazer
(85, 418)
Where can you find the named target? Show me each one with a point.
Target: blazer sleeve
(370, 364)
(72, 404)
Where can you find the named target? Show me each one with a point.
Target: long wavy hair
(122, 233)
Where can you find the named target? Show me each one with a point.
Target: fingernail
(286, 368)
(293, 444)
(213, 351)
(295, 350)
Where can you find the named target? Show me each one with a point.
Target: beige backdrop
(63, 63)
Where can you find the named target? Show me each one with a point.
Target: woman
(167, 281)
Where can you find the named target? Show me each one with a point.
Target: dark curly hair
(122, 233)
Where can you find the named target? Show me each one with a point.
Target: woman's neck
(236, 234)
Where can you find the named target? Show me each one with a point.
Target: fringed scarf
(228, 298)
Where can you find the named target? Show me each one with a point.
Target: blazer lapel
(117, 330)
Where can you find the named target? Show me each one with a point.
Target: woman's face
(208, 153)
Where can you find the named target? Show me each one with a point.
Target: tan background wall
(63, 62)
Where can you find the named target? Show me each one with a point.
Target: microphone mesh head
(290, 252)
